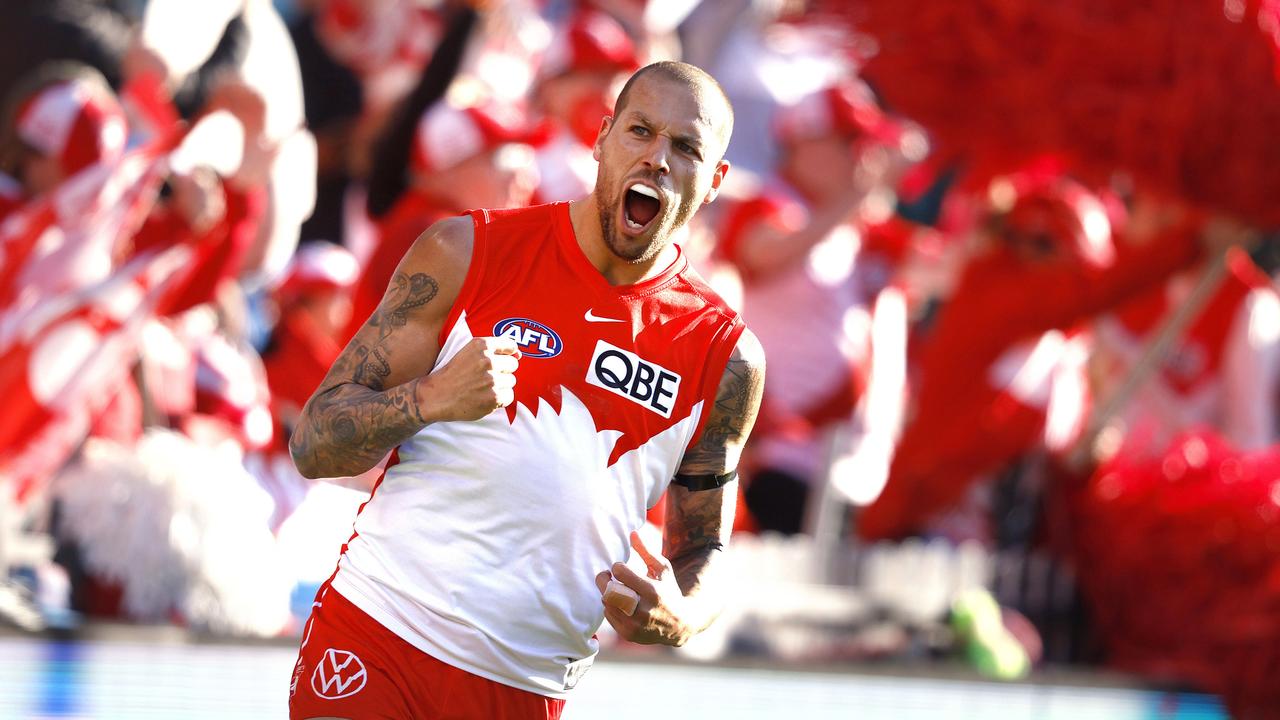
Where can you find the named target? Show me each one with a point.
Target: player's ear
(722, 169)
(605, 123)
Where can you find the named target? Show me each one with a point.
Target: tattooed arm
(680, 598)
(378, 392)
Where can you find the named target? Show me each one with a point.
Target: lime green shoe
(987, 644)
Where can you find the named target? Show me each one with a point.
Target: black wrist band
(704, 482)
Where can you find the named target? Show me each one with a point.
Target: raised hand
(475, 382)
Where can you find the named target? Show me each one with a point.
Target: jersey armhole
(712, 373)
(475, 271)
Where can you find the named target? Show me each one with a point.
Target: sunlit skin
(672, 141)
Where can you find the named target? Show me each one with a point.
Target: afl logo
(535, 339)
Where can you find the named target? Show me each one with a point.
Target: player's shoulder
(443, 249)
(449, 236)
(515, 236)
(749, 351)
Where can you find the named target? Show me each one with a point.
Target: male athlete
(477, 573)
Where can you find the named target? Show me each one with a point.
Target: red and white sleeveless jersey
(481, 543)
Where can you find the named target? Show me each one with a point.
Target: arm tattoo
(733, 414)
(699, 522)
(353, 420)
(407, 294)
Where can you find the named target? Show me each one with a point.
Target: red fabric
(1173, 91)
(121, 419)
(1269, 24)
(1178, 554)
(44, 422)
(525, 259)
(769, 207)
(592, 41)
(58, 370)
(78, 122)
(372, 673)
(1198, 356)
(961, 425)
(220, 251)
(23, 227)
(890, 240)
(411, 215)
(848, 108)
(147, 97)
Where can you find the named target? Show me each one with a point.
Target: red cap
(448, 134)
(846, 109)
(78, 122)
(591, 40)
(1059, 210)
(319, 266)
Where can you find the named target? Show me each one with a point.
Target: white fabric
(1237, 400)
(482, 522)
(448, 135)
(566, 169)
(185, 33)
(814, 328)
(1251, 372)
(47, 123)
(270, 66)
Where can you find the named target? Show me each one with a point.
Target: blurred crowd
(202, 201)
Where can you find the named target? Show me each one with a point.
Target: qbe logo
(535, 339)
(340, 674)
(640, 381)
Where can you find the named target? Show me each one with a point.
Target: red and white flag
(67, 361)
(69, 318)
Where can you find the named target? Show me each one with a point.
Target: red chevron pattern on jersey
(640, 357)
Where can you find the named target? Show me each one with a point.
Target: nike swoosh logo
(592, 317)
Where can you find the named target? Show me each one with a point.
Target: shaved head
(661, 157)
(709, 93)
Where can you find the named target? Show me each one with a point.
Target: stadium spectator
(1042, 260)
(462, 157)
(259, 81)
(580, 72)
(334, 101)
(1222, 373)
(798, 245)
(58, 120)
(314, 307)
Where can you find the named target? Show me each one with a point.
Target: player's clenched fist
(474, 383)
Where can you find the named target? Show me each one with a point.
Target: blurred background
(1011, 262)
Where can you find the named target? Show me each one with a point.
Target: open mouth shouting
(641, 206)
